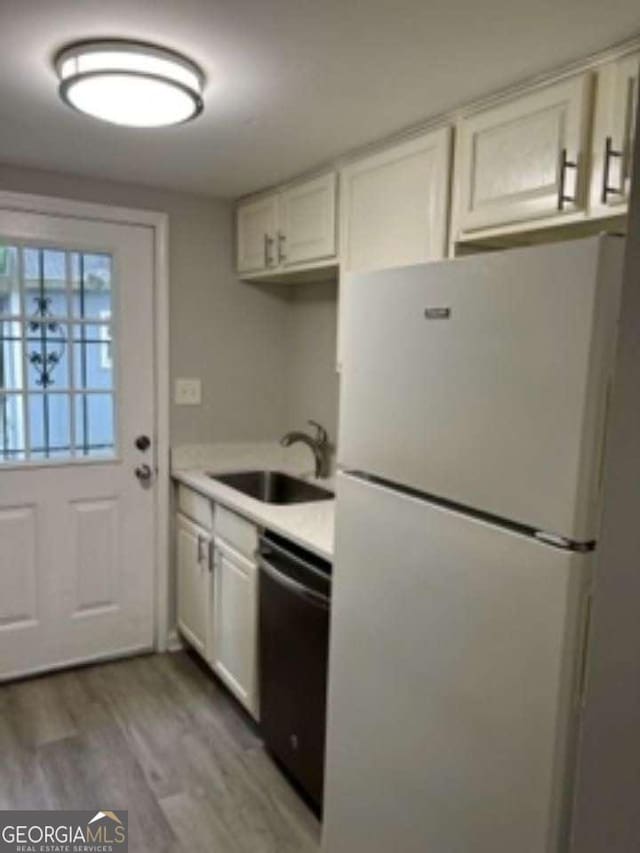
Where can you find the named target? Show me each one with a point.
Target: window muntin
(57, 354)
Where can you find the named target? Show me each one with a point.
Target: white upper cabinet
(394, 204)
(290, 230)
(524, 159)
(307, 229)
(257, 227)
(613, 135)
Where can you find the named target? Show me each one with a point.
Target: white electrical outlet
(188, 392)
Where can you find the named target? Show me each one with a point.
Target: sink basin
(273, 487)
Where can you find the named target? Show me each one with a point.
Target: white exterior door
(511, 157)
(77, 527)
(308, 222)
(454, 684)
(485, 380)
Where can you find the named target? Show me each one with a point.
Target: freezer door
(485, 380)
(454, 671)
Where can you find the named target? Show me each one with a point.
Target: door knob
(143, 442)
(144, 474)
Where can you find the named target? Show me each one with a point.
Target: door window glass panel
(94, 414)
(9, 282)
(49, 425)
(57, 354)
(91, 284)
(47, 351)
(12, 442)
(44, 282)
(93, 358)
(11, 366)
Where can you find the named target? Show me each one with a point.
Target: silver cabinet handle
(281, 252)
(609, 152)
(268, 243)
(565, 164)
(204, 550)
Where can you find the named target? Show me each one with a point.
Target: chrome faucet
(318, 444)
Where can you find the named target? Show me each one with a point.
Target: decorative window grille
(57, 354)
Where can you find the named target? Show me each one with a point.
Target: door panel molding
(18, 568)
(96, 543)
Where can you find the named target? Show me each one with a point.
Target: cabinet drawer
(236, 531)
(196, 507)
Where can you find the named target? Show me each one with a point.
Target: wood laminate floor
(158, 736)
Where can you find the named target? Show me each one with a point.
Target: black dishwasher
(295, 594)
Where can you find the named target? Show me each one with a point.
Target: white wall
(265, 353)
(311, 378)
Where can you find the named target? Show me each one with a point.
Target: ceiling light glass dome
(130, 83)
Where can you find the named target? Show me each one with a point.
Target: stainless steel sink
(273, 487)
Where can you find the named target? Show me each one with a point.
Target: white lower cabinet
(217, 591)
(235, 622)
(194, 585)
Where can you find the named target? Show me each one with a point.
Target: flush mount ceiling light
(130, 83)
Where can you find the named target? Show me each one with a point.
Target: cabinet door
(194, 584)
(394, 205)
(235, 624)
(509, 158)
(614, 132)
(257, 224)
(308, 222)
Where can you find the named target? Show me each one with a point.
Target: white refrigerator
(473, 420)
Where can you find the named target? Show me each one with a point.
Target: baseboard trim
(174, 641)
(130, 651)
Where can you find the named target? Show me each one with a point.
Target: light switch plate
(188, 392)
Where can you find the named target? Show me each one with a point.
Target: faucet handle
(322, 437)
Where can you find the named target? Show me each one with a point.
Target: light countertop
(310, 525)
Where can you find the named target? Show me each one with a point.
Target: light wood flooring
(158, 736)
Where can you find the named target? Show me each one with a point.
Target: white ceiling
(291, 83)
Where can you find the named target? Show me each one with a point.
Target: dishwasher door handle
(294, 586)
